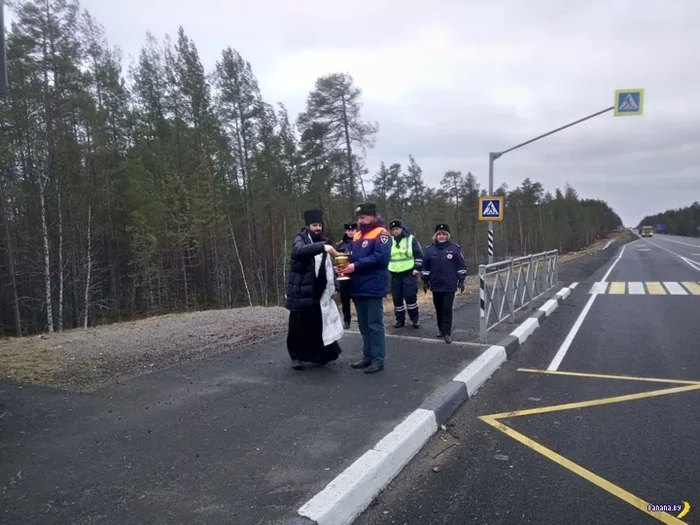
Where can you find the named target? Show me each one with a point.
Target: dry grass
(53, 360)
(25, 361)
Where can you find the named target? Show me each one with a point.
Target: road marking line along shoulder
(609, 376)
(596, 402)
(586, 474)
(679, 242)
(689, 262)
(559, 356)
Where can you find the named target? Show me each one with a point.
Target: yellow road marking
(603, 483)
(655, 288)
(607, 376)
(596, 402)
(693, 288)
(617, 288)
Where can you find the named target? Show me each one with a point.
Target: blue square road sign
(629, 102)
(490, 208)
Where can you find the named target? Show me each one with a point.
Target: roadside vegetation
(162, 187)
(679, 221)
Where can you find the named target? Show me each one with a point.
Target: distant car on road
(647, 231)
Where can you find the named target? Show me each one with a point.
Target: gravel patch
(85, 360)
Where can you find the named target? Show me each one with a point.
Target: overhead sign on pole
(629, 102)
(491, 208)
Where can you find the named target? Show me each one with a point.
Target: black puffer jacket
(303, 290)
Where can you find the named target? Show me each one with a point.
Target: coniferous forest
(163, 187)
(680, 221)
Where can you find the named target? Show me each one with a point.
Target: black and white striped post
(482, 303)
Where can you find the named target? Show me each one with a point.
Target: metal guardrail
(508, 286)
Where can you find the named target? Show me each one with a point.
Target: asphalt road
(688, 247)
(600, 463)
(240, 438)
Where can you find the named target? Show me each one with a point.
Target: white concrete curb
(354, 489)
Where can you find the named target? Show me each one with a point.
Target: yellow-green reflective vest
(402, 255)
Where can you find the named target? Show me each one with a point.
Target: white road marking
(636, 288)
(679, 242)
(599, 288)
(559, 357)
(422, 339)
(675, 288)
(605, 277)
(554, 365)
(689, 262)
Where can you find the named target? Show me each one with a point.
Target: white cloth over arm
(332, 323)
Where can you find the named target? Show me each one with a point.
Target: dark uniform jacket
(444, 267)
(302, 293)
(370, 251)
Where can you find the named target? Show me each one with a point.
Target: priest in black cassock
(315, 325)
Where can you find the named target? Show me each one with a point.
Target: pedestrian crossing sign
(490, 208)
(629, 102)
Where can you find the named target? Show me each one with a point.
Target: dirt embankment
(84, 360)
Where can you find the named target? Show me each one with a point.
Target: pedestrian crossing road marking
(647, 287)
(636, 502)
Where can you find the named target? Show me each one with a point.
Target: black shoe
(346, 324)
(400, 324)
(360, 365)
(297, 365)
(448, 339)
(440, 335)
(416, 325)
(373, 369)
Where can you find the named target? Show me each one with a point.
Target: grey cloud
(561, 62)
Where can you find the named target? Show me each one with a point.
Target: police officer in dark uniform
(343, 246)
(404, 266)
(444, 271)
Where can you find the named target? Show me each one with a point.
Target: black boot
(360, 364)
(373, 369)
(440, 335)
(400, 323)
(448, 339)
(297, 365)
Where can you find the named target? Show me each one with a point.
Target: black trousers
(345, 299)
(443, 302)
(404, 287)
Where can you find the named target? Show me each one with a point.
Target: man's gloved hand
(460, 285)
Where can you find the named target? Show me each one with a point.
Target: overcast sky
(450, 80)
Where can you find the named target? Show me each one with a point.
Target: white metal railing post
(511, 290)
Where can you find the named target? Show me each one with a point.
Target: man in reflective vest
(404, 266)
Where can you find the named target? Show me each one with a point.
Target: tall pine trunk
(11, 266)
(60, 260)
(88, 266)
(47, 258)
